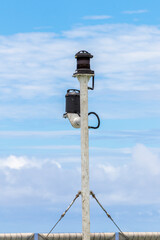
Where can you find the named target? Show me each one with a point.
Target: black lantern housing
(83, 63)
(72, 96)
(73, 101)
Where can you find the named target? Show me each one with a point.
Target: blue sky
(40, 151)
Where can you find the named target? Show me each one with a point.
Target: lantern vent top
(82, 54)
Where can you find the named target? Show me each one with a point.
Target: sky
(40, 155)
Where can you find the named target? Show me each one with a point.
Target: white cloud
(111, 172)
(39, 134)
(97, 17)
(34, 64)
(142, 135)
(14, 162)
(18, 163)
(144, 159)
(135, 182)
(25, 180)
(43, 27)
(23, 162)
(136, 11)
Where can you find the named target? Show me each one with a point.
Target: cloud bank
(37, 68)
(27, 180)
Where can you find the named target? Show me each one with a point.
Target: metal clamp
(97, 119)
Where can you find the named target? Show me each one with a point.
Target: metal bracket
(92, 88)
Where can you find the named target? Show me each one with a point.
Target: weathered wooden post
(77, 113)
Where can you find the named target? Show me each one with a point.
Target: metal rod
(85, 192)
